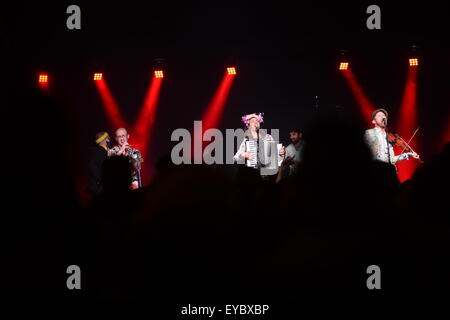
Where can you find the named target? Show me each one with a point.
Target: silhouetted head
(102, 138)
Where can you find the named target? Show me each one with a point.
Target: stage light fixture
(231, 70)
(413, 62)
(98, 76)
(343, 66)
(159, 74)
(43, 78)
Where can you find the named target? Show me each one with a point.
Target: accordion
(265, 156)
(251, 147)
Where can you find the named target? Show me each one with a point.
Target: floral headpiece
(247, 117)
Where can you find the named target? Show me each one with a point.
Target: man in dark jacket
(99, 154)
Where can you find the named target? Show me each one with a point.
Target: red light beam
(109, 104)
(407, 123)
(212, 115)
(142, 131)
(366, 106)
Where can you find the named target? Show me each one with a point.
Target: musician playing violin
(380, 145)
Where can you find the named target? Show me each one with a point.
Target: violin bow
(413, 135)
(410, 139)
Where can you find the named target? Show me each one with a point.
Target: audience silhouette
(197, 232)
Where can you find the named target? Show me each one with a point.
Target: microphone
(128, 149)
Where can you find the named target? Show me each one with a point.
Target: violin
(395, 139)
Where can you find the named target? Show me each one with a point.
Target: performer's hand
(123, 149)
(247, 155)
(414, 155)
(288, 161)
(282, 152)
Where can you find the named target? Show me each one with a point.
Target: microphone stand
(138, 169)
(387, 141)
(136, 164)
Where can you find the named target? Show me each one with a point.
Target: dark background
(286, 53)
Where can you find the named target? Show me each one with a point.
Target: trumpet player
(123, 148)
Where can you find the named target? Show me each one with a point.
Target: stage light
(109, 103)
(43, 78)
(366, 106)
(413, 62)
(343, 66)
(231, 70)
(143, 129)
(409, 120)
(98, 76)
(216, 107)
